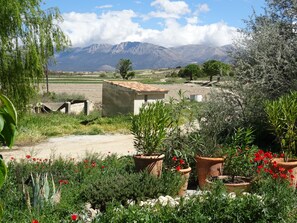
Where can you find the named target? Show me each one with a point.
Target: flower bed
(94, 189)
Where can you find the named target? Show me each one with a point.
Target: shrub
(121, 187)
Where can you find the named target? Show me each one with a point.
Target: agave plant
(42, 192)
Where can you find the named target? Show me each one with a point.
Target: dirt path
(75, 147)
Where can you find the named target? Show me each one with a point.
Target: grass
(34, 128)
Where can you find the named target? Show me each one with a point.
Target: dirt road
(75, 147)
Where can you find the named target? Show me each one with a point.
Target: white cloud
(103, 6)
(114, 27)
(169, 9)
(203, 7)
(192, 20)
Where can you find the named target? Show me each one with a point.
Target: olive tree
(124, 67)
(29, 37)
(265, 67)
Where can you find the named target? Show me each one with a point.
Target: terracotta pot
(237, 187)
(291, 164)
(206, 167)
(185, 175)
(152, 164)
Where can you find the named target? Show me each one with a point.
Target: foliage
(8, 121)
(214, 206)
(239, 154)
(214, 67)
(191, 70)
(129, 186)
(124, 67)
(282, 117)
(264, 69)
(149, 127)
(29, 38)
(177, 143)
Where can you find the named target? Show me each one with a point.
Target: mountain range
(104, 57)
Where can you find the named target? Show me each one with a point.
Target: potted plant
(282, 117)
(149, 129)
(238, 169)
(209, 159)
(176, 143)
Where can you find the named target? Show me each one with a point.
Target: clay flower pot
(152, 164)
(241, 184)
(207, 166)
(185, 175)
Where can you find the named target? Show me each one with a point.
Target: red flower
(181, 162)
(86, 161)
(61, 182)
(282, 155)
(281, 169)
(284, 176)
(35, 221)
(28, 156)
(274, 176)
(74, 217)
(274, 164)
(93, 164)
(178, 168)
(174, 158)
(290, 171)
(292, 176)
(12, 158)
(102, 167)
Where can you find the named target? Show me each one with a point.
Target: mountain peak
(143, 56)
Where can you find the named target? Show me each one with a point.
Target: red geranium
(74, 217)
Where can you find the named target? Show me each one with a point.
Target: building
(126, 97)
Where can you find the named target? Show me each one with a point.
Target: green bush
(122, 187)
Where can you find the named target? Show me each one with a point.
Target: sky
(166, 23)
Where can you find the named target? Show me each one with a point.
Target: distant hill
(99, 57)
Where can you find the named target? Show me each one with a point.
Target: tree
(214, 67)
(29, 37)
(265, 67)
(124, 67)
(191, 71)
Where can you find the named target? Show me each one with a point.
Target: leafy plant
(239, 154)
(135, 186)
(8, 121)
(177, 143)
(282, 117)
(150, 126)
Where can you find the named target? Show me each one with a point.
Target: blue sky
(163, 22)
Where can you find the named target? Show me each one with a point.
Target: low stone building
(126, 97)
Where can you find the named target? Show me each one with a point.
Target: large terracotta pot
(152, 164)
(185, 175)
(291, 164)
(206, 167)
(237, 187)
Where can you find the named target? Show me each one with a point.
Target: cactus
(41, 191)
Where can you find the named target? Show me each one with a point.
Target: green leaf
(3, 172)
(9, 108)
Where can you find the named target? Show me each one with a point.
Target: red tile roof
(138, 87)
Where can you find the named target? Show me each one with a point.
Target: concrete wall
(140, 100)
(116, 100)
